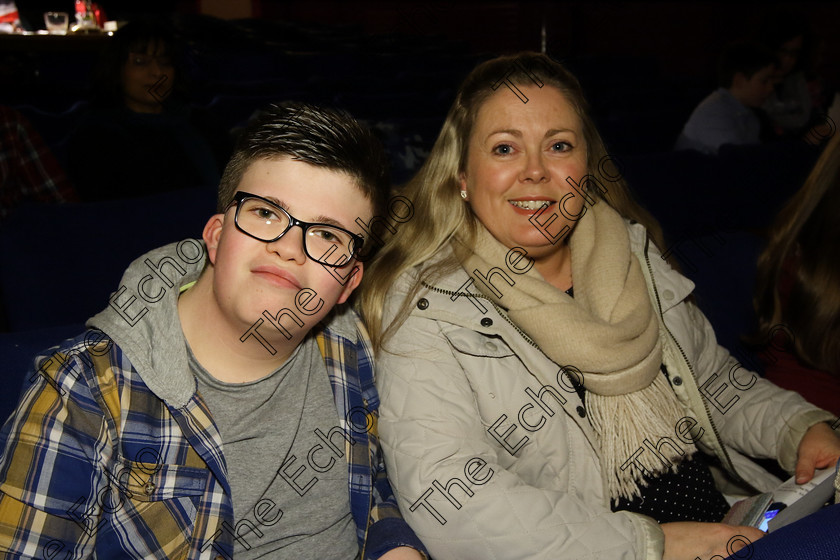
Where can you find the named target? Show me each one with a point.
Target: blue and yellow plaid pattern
(93, 463)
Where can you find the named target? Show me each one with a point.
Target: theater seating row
(60, 263)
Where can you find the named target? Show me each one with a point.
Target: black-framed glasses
(266, 221)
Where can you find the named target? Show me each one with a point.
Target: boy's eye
(325, 235)
(265, 213)
(330, 236)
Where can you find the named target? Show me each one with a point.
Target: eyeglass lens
(323, 243)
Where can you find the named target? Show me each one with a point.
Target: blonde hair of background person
(808, 228)
(439, 212)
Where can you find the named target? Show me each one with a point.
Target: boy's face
(753, 91)
(252, 276)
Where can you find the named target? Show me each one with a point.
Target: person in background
(140, 136)
(549, 390)
(797, 297)
(28, 170)
(727, 115)
(789, 106)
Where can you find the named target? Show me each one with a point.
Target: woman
(790, 105)
(141, 137)
(539, 362)
(798, 291)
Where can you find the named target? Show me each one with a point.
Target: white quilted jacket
(487, 464)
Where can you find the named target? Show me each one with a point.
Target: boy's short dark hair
(319, 136)
(746, 57)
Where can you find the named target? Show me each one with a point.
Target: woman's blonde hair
(439, 211)
(807, 231)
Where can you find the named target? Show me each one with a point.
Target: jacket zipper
(491, 302)
(504, 316)
(730, 465)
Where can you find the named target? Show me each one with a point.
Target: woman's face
(788, 54)
(147, 78)
(519, 158)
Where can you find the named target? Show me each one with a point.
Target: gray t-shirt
(290, 492)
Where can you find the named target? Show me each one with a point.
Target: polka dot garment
(686, 495)
(689, 494)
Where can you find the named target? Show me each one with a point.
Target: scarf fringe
(640, 430)
(609, 330)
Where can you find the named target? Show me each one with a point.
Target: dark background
(644, 67)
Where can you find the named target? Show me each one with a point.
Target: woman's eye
(561, 146)
(503, 149)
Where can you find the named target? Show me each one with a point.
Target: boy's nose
(290, 246)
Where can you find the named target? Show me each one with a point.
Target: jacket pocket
(473, 343)
(497, 376)
(158, 506)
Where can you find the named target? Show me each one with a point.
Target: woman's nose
(155, 68)
(534, 169)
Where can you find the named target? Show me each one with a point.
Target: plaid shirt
(28, 170)
(95, 464)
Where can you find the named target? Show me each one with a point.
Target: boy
(726, 116)
(222, 404)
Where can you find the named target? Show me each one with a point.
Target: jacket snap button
(422, 303)
(581, 411)
(487, 322)
(492, 396)
(677, 381)
(149, 488)
(490, 346)
(668, 294)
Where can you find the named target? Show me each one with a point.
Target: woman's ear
(212, 235)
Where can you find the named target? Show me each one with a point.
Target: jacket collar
(670, 286)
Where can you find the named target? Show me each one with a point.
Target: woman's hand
(402, 553)
(689, 540)
(819, 448)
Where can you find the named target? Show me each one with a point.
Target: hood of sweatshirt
(142, 318)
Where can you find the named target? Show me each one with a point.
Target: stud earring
(464, 195)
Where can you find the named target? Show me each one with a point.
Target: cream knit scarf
(609, 331)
